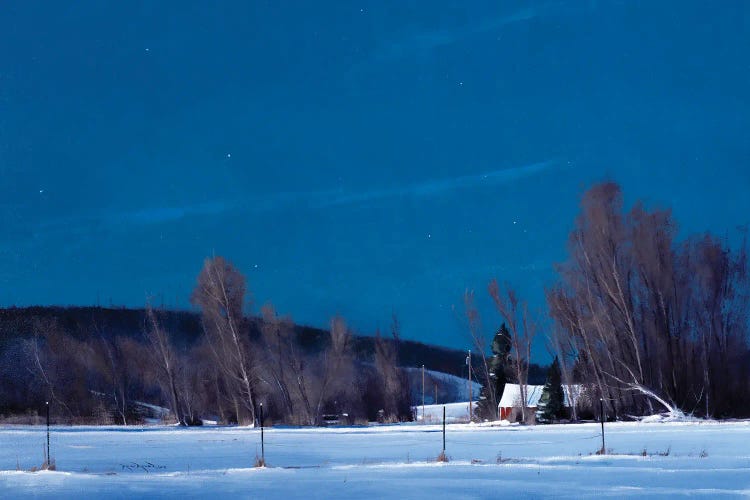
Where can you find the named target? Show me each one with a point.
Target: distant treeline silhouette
(640, 319)
(97, 365)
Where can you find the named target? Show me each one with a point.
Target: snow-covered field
(707, 458)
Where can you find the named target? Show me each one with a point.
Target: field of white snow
(644, 460)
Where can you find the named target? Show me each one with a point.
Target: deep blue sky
(353, 157)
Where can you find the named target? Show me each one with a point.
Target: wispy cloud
(322, 199)
(301, 200)
(425, 41)
(435, 187)
(159, 215)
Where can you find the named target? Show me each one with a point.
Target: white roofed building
(511, 398)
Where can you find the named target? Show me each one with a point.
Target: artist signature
(146, 467)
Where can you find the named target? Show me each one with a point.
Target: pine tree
(487, 408)
(551, 403)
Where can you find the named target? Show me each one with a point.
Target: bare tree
(522, 329)
(114, 371)
(395, 387)
(165, 358)
(220, 294)
(480, 344)
(648, 320)
(281, 359)
(44, 363)
(566, 353)
(337, 366)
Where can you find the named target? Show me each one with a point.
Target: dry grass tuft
(44, 466)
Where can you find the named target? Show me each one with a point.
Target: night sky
(358, 158)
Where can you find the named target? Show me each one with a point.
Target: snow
(158, 411)
(452, 383)
(512, 395)
(454, 413)
(669, 417)
(697, 458)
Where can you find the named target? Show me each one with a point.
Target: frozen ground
(706, 459)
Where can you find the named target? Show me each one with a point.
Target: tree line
(637, 317)
(233, 365)
(651, 322)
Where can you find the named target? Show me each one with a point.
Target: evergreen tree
(551, 403)
(487, 408)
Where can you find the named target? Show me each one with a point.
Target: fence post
(262, 440)
(423, 418)
(443, 430)
(47, 403)
(601, 410)
(470, 395)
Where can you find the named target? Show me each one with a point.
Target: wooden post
(423, 419)
(262, 441)
(470, 395)
(601, 408)
(443, 430)
(47, 403)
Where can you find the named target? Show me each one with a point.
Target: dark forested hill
(100, 365)
(185, 327)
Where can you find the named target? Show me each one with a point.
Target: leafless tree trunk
(48, 332)
(164, 356)
(566, 353)
(644, 313)
(481, 344)
(338, 364)
(522, 330)
(396, 395)
(118, 393)
(220, 294)
(280, 351)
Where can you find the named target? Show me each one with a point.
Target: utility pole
(423, 419)
(470, 395)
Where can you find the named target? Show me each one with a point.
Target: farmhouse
(511, 398)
